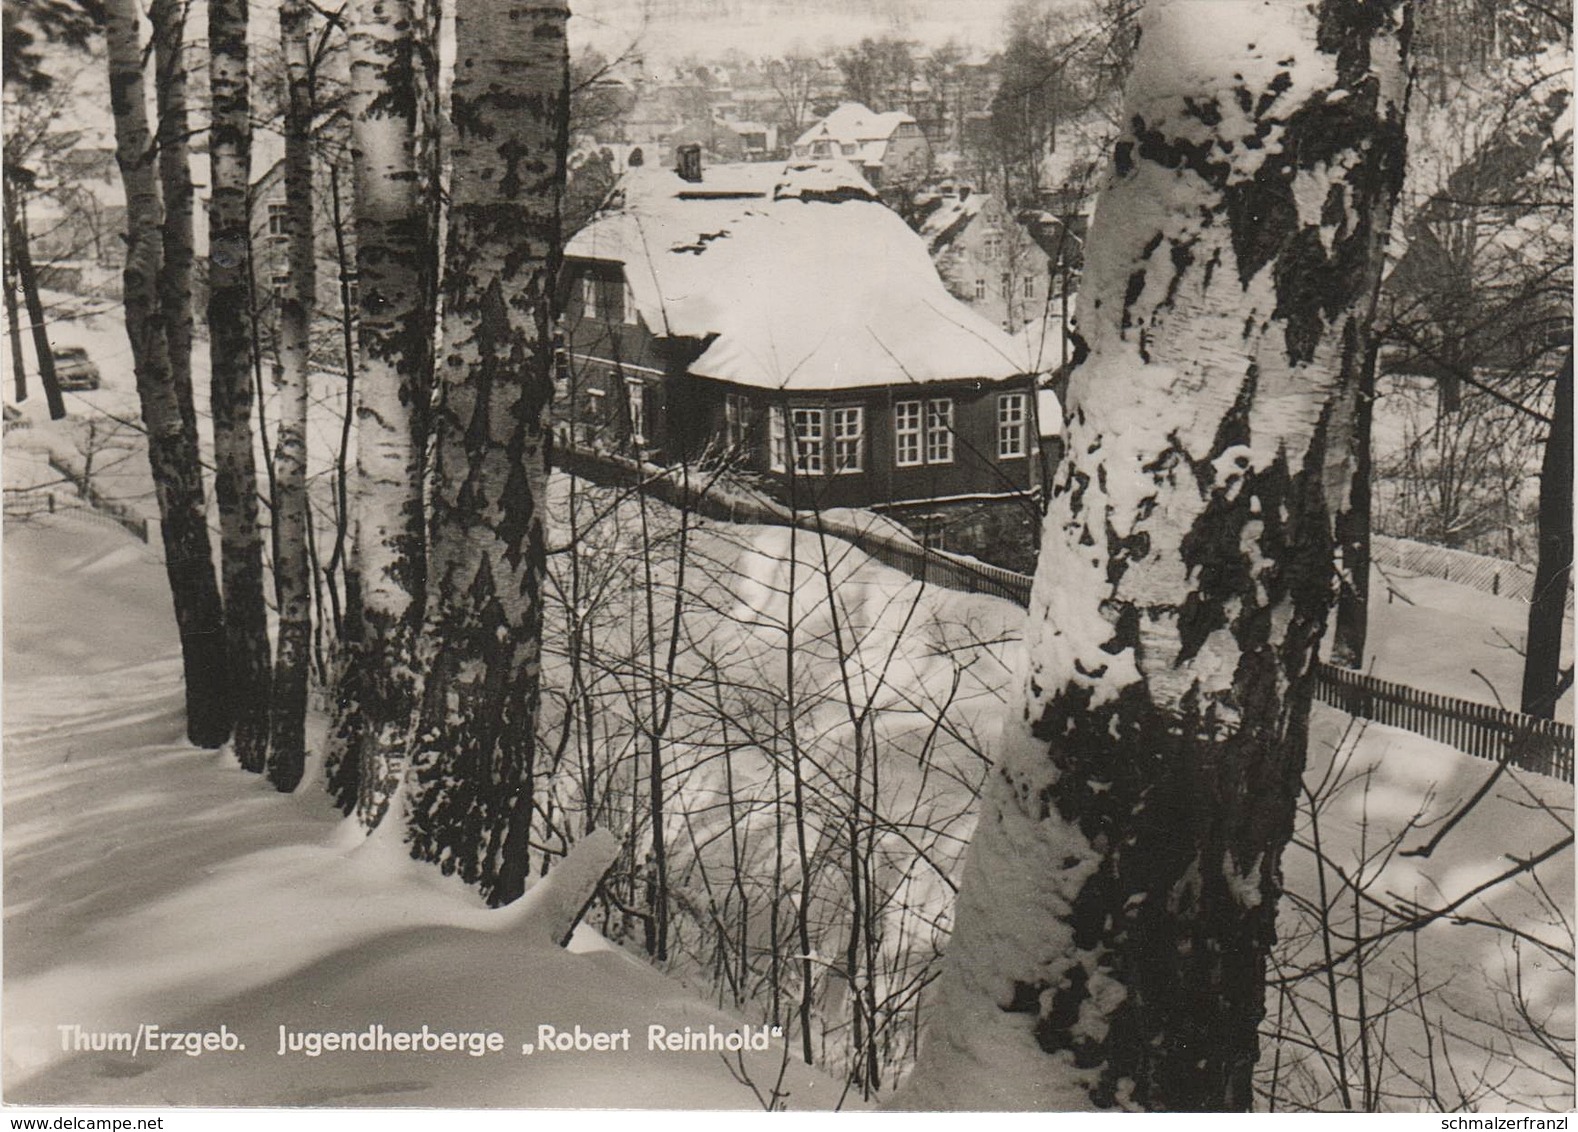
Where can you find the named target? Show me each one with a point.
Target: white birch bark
(292, 565)
(172, 441)
(1119, 896)
(471, 801)
(230, 349)
(379, 692)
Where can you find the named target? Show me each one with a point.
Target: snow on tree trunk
(172, 443)
(229, 342)
(471, 800)
(292, 567)
(379, 687)
(1119, 896)
(1553, 571)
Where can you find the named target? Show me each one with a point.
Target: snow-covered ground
(148, 883)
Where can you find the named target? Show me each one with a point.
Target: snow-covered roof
(951, 216)
(856, 123)
(796, 277)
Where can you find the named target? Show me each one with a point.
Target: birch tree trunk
(13, 328)
(172, 443)
(175, 179)
(1119, 897)
(229, 341)
(1353, 526)
(378, 693)
(292, 566)
(471, 800)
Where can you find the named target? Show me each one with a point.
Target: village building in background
(784, 319)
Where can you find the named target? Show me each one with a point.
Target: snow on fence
(24, 503)
(1540, 745)
(134, 524)
(1478, 571)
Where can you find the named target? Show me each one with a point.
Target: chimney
(688, 163)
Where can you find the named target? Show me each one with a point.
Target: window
(353, 290)
(808, 440)
(939, 431)
(278, 285)
(1010, 425)
(736, 419)
(627, 304)
(994, 244)
(636, 398)
(777, 439)
(278, 220)
(589, 295)
(1008, 286)
(1030, 286)
(980, 288)
(849, 428)
(907, 433)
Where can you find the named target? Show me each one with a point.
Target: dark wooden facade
(625, 389)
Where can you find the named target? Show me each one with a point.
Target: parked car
(74, 369)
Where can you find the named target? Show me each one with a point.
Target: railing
(1540, 745)
(24, 503)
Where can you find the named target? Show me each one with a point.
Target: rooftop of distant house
(853, 124)
(795, 277)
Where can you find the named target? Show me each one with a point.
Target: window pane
(777, 439)
(1011, 425)
(808, 439)
(848, 431)
(939, 432)
(635, 395)
(907, 433)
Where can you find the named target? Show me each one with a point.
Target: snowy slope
(147, 883)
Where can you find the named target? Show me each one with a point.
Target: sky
(674, 29)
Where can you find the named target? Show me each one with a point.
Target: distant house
(988, 259)
(787, 318)
(889, 149)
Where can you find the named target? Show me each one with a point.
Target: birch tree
(229, 338)
(471, 797)
(378, 689)
(175, 181)
(16, 182)
(172, 442)
(1119, 897)
(292, 571)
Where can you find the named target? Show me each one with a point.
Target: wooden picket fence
(1541, 745)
